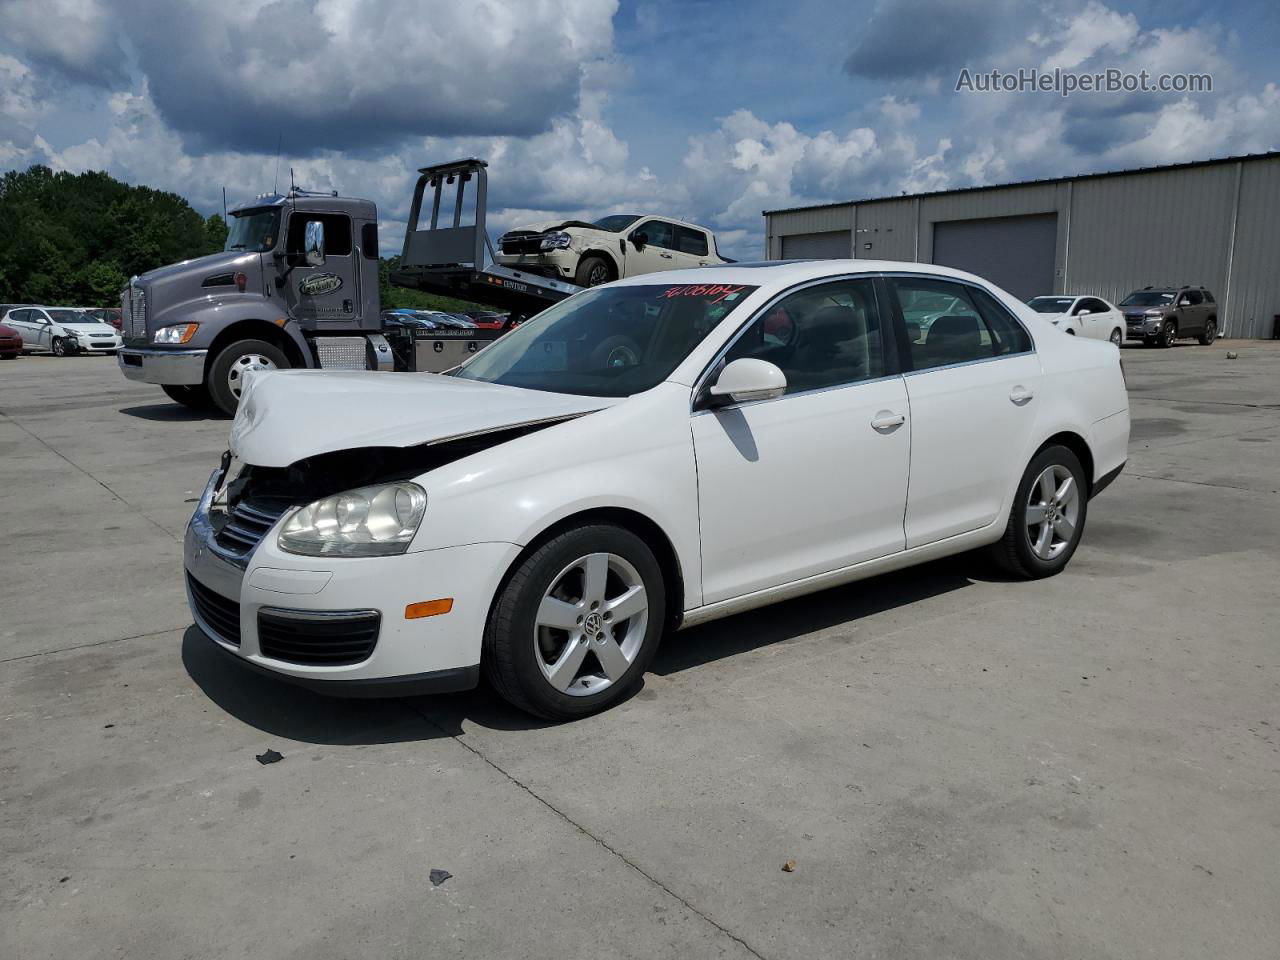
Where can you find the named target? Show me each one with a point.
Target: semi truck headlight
(555, 241)
(375, 521)
(178, 333)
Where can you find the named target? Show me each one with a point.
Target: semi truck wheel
(196, 396)
(228, 372)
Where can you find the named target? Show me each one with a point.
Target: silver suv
(1160, 315)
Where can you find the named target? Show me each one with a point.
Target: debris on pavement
(269, 757)
(789, 867)
(439, 876)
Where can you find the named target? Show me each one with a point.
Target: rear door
(693, 247)
(1194, 314)
(971, 382)
(18, 320)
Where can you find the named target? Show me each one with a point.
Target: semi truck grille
(319, 639)
(137, 316)
(248, 522)
(219, 614)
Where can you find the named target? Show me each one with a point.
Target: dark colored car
(1161, 315)
(10, 342)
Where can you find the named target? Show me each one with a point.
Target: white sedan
(643, 456)
(62, 331)
(1082, 316)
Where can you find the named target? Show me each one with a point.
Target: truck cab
(295, 286)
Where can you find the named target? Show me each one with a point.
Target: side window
(337, 233)
(1208, 297)
(692, 241)
(954, 323)
(22, 316)
(1194, 297)
(658, 234)
(819, 337)
(1097, 306)
(369, 241)
(1083, 304)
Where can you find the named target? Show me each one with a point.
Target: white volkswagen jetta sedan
(645, 455)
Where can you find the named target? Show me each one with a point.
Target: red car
(109, 315)
(10, 342)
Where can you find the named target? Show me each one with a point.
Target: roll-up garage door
(1016, 253)
(830, 245)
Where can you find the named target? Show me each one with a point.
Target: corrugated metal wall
(1115, 233)
(1253, 298)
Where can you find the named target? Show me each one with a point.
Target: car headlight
(555, 241)
(178, 333)
(375, 521)
(1152, 313)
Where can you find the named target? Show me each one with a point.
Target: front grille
(136, 320)
(248, 522)
(521, 241)
(316, 639)
(219, 614)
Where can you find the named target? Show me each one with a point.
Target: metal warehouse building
(1214, 223)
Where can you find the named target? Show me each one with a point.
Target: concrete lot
(961, 767)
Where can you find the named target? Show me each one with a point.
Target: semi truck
(297, 286)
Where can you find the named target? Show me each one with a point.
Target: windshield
(1050, 304)
(253, 230)
(607, 342)
(617, 222)
(70, 316)
(1147, 298)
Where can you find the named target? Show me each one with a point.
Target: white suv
(617, 246)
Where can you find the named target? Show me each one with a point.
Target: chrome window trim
(701, 380)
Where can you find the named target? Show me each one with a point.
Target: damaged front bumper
(339, 625)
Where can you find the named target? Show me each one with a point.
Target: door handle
(1021, 395)
(888, 421)
(665, 256)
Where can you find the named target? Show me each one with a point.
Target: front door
(326, 296)
(972, 389)
(655, 254)
(815, 480)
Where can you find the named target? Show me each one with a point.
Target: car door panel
(971, 392)
(798, 486)
(656, 254)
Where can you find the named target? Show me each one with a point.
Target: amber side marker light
(428, 608)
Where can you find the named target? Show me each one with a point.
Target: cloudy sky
(708, 109)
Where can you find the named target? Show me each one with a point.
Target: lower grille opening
(219, 614)
(306, 637)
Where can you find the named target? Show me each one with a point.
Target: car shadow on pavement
(783, 622)
(285, 710)
(171, 413)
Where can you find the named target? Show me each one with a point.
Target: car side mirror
(313, 244)
(638, 240)
(748, 379)
(1184, 302)
(1084, 313)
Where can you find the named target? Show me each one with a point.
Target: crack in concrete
(591, 836)
(92, 643)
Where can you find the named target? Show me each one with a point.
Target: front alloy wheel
(1117, 337)
(1168, 333)
(576, 623)
(59, 347)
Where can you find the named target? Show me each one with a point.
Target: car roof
(787, 272)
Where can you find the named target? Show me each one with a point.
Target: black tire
(1013, 552)
(195, 396)
(1168, 333)
(1210, 333)
(1070, 332)
(59, 347)
(592, 271)
(216, 379)
(509, 657)
(9, 356)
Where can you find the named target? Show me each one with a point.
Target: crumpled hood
(575, 227)
(288, 415)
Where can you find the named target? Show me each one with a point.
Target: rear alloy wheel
(576, 624)
(1168, 334)
(1117, 337)
(237, 362)
(1047, 518)
(1210, 333)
